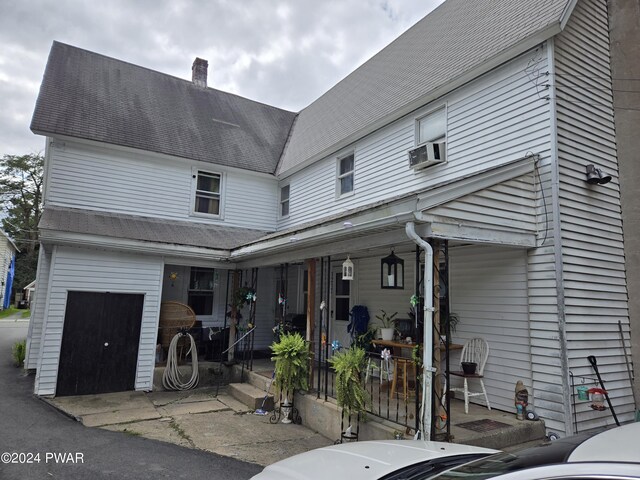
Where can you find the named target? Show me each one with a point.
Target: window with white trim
(432, 127)
(208, 188)
(345, 174)
(284, 201)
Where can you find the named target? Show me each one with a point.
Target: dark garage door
(99, 352)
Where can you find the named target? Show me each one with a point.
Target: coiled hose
(171, 379)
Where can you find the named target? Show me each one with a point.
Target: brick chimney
(199, 72)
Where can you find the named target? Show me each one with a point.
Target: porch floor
(481, 427)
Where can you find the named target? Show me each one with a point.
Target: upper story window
(284, 201)
(207, 198)
(345, 174)
(432, 127)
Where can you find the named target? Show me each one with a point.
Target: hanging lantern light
(392, 272)
(347, 269)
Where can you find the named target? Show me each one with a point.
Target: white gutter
(427, 346)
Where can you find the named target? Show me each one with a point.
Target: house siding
(368, 291)
(34, 336)
(489, 295)
(495, 119)
(508, 205)
(96, 178)
(79, 269)
(593, 258)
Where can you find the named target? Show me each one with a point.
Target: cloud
(284, 53)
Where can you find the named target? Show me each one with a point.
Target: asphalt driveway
(59, 447)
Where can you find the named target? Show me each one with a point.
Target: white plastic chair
(475, 350)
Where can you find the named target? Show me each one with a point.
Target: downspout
(427, 346)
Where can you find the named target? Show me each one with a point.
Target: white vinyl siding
(488, 291)
(592, 243)
(88, 270)
(495, 119)
(38, 309)
(508, 205)
(98, 178)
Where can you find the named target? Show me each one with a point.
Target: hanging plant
(291, 356)
(350, 391)
(239, 299)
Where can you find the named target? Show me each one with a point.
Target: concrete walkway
(196, 419)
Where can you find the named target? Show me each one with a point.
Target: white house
(8, 252)
(475, 130)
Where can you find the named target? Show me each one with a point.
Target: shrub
(18, 351)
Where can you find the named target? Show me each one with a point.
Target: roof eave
(73, 239)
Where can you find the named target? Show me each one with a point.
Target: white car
(612, 454)
(372, 460)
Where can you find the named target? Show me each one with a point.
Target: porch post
(235, 276)
(311, 312)
(438, 410)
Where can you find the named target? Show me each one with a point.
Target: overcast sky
(285, 53)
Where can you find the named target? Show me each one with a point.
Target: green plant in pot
(291, 356)
(351, 393)
(387, 324)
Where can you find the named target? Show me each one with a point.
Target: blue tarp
(9, 283)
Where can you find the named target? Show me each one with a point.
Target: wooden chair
(174, 316)
(475, 350)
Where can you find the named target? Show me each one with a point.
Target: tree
(21, 178)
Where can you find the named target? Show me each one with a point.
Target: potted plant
(387, 322)
(351, 394)
(291, 356)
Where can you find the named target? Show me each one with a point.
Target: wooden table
(396, 344)
(392, 343)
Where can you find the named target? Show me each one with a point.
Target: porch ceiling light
(347, 224)
(392, 272)
(347, 269)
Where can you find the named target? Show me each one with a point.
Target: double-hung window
(432, 128)
(208, 188)
(345, 175)
(284, 201)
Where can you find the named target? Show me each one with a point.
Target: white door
(340, 308)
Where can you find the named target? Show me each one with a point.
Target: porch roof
(158, 230)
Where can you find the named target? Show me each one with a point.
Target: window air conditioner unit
(432, 153)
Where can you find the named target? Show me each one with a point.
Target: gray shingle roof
(157, 230)
(91, 96)
(457, 37)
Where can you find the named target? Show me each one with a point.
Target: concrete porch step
(251, 396)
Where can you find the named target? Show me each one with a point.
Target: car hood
(361, 460)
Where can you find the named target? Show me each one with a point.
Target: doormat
(484, 425)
